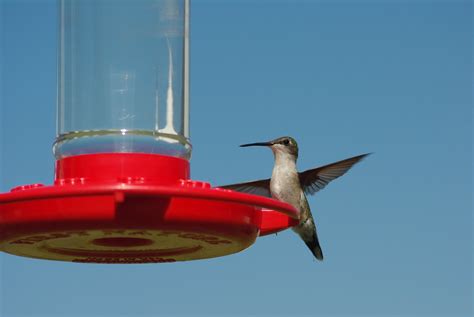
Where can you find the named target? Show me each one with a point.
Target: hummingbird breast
(285, 185)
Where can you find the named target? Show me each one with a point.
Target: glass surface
(123, 77)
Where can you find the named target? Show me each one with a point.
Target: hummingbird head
(284, 145)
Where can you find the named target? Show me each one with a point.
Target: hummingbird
(287, 185)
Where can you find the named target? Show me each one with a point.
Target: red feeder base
(133, 208)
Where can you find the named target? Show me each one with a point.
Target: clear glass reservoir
(123, 77)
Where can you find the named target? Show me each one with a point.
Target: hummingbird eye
(285, 142)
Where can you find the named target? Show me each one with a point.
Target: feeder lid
(133, 208)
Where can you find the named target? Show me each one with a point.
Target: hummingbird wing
(315, 179)
(260, 187)
(311, 180)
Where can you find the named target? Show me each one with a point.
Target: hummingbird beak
(257, 144)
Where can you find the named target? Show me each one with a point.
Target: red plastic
(133, 208)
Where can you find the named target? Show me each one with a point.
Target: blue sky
(343, 78)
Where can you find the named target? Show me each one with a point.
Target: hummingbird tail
(315, 248)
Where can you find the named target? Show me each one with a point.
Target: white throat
(284, 159)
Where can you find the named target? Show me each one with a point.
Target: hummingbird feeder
(122, 191)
